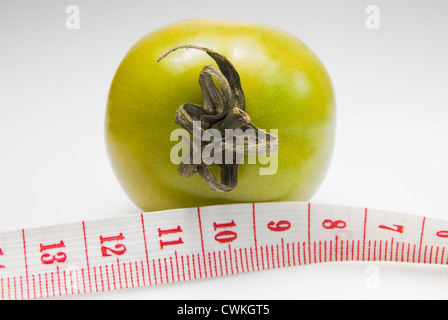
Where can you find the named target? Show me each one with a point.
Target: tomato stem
(223, 117)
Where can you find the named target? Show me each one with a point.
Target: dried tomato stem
(223, 109)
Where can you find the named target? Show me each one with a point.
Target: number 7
(397, 228)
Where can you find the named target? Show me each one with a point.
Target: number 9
(282, 225)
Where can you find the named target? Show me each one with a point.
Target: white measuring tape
(187, 244)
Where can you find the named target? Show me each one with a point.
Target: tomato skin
(286, 88)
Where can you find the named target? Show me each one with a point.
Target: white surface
(391, 150)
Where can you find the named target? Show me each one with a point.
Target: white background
(391, 150)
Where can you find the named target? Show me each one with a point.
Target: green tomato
(286, 88)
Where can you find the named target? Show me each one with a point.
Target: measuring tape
(205, 242)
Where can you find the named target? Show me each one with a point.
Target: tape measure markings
(204, 242)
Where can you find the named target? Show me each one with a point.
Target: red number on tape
(442, 234)
(226, 235)
(170, 231)
(1, 253)
(47, 258)
(330, 224)
(119, 248)
(282, 225)
(397, 228)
